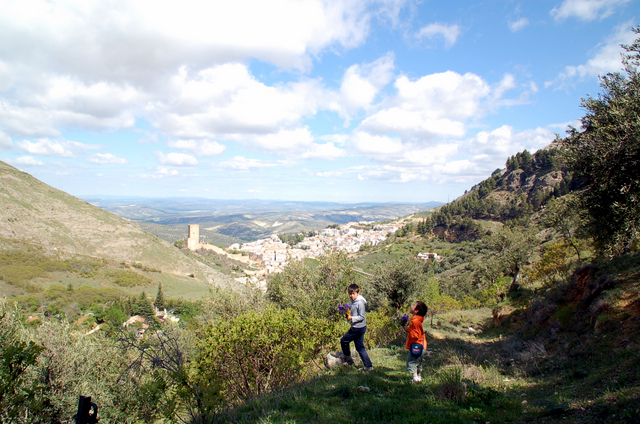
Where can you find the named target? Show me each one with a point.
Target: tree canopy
(605, 155)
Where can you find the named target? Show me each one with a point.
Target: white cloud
(330, 174)
(60, 148)
(516, 26)
(376, 145)
(242, 163)
(284, 141)
(362, 83)
(606, 59)
(160, 173)
(436, 105)
(176, 159)
(587, 10)
(418, 123)
(94, 66)
(40, 108)
(442, 95)
(122, 40)
(198, 147)
(446, 162)
(488, 150)
(27, 161)
(327, 151)
(102, 158)
(5, 142)
(227, 99)
(449, 33)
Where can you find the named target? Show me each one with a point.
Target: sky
(309, 100)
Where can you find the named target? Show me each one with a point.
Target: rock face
(518, 182)
(41, 215)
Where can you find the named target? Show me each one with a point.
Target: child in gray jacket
(355, 334)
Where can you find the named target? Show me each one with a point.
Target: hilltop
(37, 215)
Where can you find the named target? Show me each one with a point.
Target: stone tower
(193, 239)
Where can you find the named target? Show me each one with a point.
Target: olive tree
(605, 154)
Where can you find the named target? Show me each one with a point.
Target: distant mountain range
(228, 221)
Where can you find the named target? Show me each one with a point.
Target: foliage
(227, 304)
(142, 307)
(396, 282)
(562, 215)
(258, 352)
(382, 329)
(17, 268)
(514, 247)
(144, 267)
(164, 376)
(313, 291)
(436, 301)
(127, 278)
(293, 239)
(71, 364)
(606, 157)
(18, 394)
(159, 302)
(61, 298)
(113, 315)
(554, 266)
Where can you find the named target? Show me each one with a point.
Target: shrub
(18, 397)
(127, 278)
(396, 282)
(258, 352)
(382, 329)
(314, 291)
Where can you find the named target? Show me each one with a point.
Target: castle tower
(193, 239)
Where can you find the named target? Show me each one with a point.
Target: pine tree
(144, 307)
(160, 302)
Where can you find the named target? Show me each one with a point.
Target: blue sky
(376, 100)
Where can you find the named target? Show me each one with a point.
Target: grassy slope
(35, 215)
(569, 354)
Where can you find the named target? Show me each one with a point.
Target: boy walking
(416, 340)
(355, 334)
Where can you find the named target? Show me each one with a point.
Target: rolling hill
(35, 214)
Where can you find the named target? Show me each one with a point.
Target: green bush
(18, 268)
(313, 291)
(396, 282)
(382, 329)
(127, 278)
(258, 352)
(18, 355)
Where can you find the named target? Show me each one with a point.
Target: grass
(489, 375)
(387, 395)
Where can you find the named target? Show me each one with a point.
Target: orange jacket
(416, 332)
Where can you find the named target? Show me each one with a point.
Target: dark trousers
(356, 335)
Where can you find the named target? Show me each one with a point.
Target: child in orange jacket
(416, 340)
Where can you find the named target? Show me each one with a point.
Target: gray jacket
(358, 312)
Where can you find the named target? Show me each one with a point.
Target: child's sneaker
(416, 379)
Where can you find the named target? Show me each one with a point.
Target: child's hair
(354, 288)
(421, 308)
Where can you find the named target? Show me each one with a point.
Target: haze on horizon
(305, 100)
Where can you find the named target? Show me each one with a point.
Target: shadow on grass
(509, 380)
